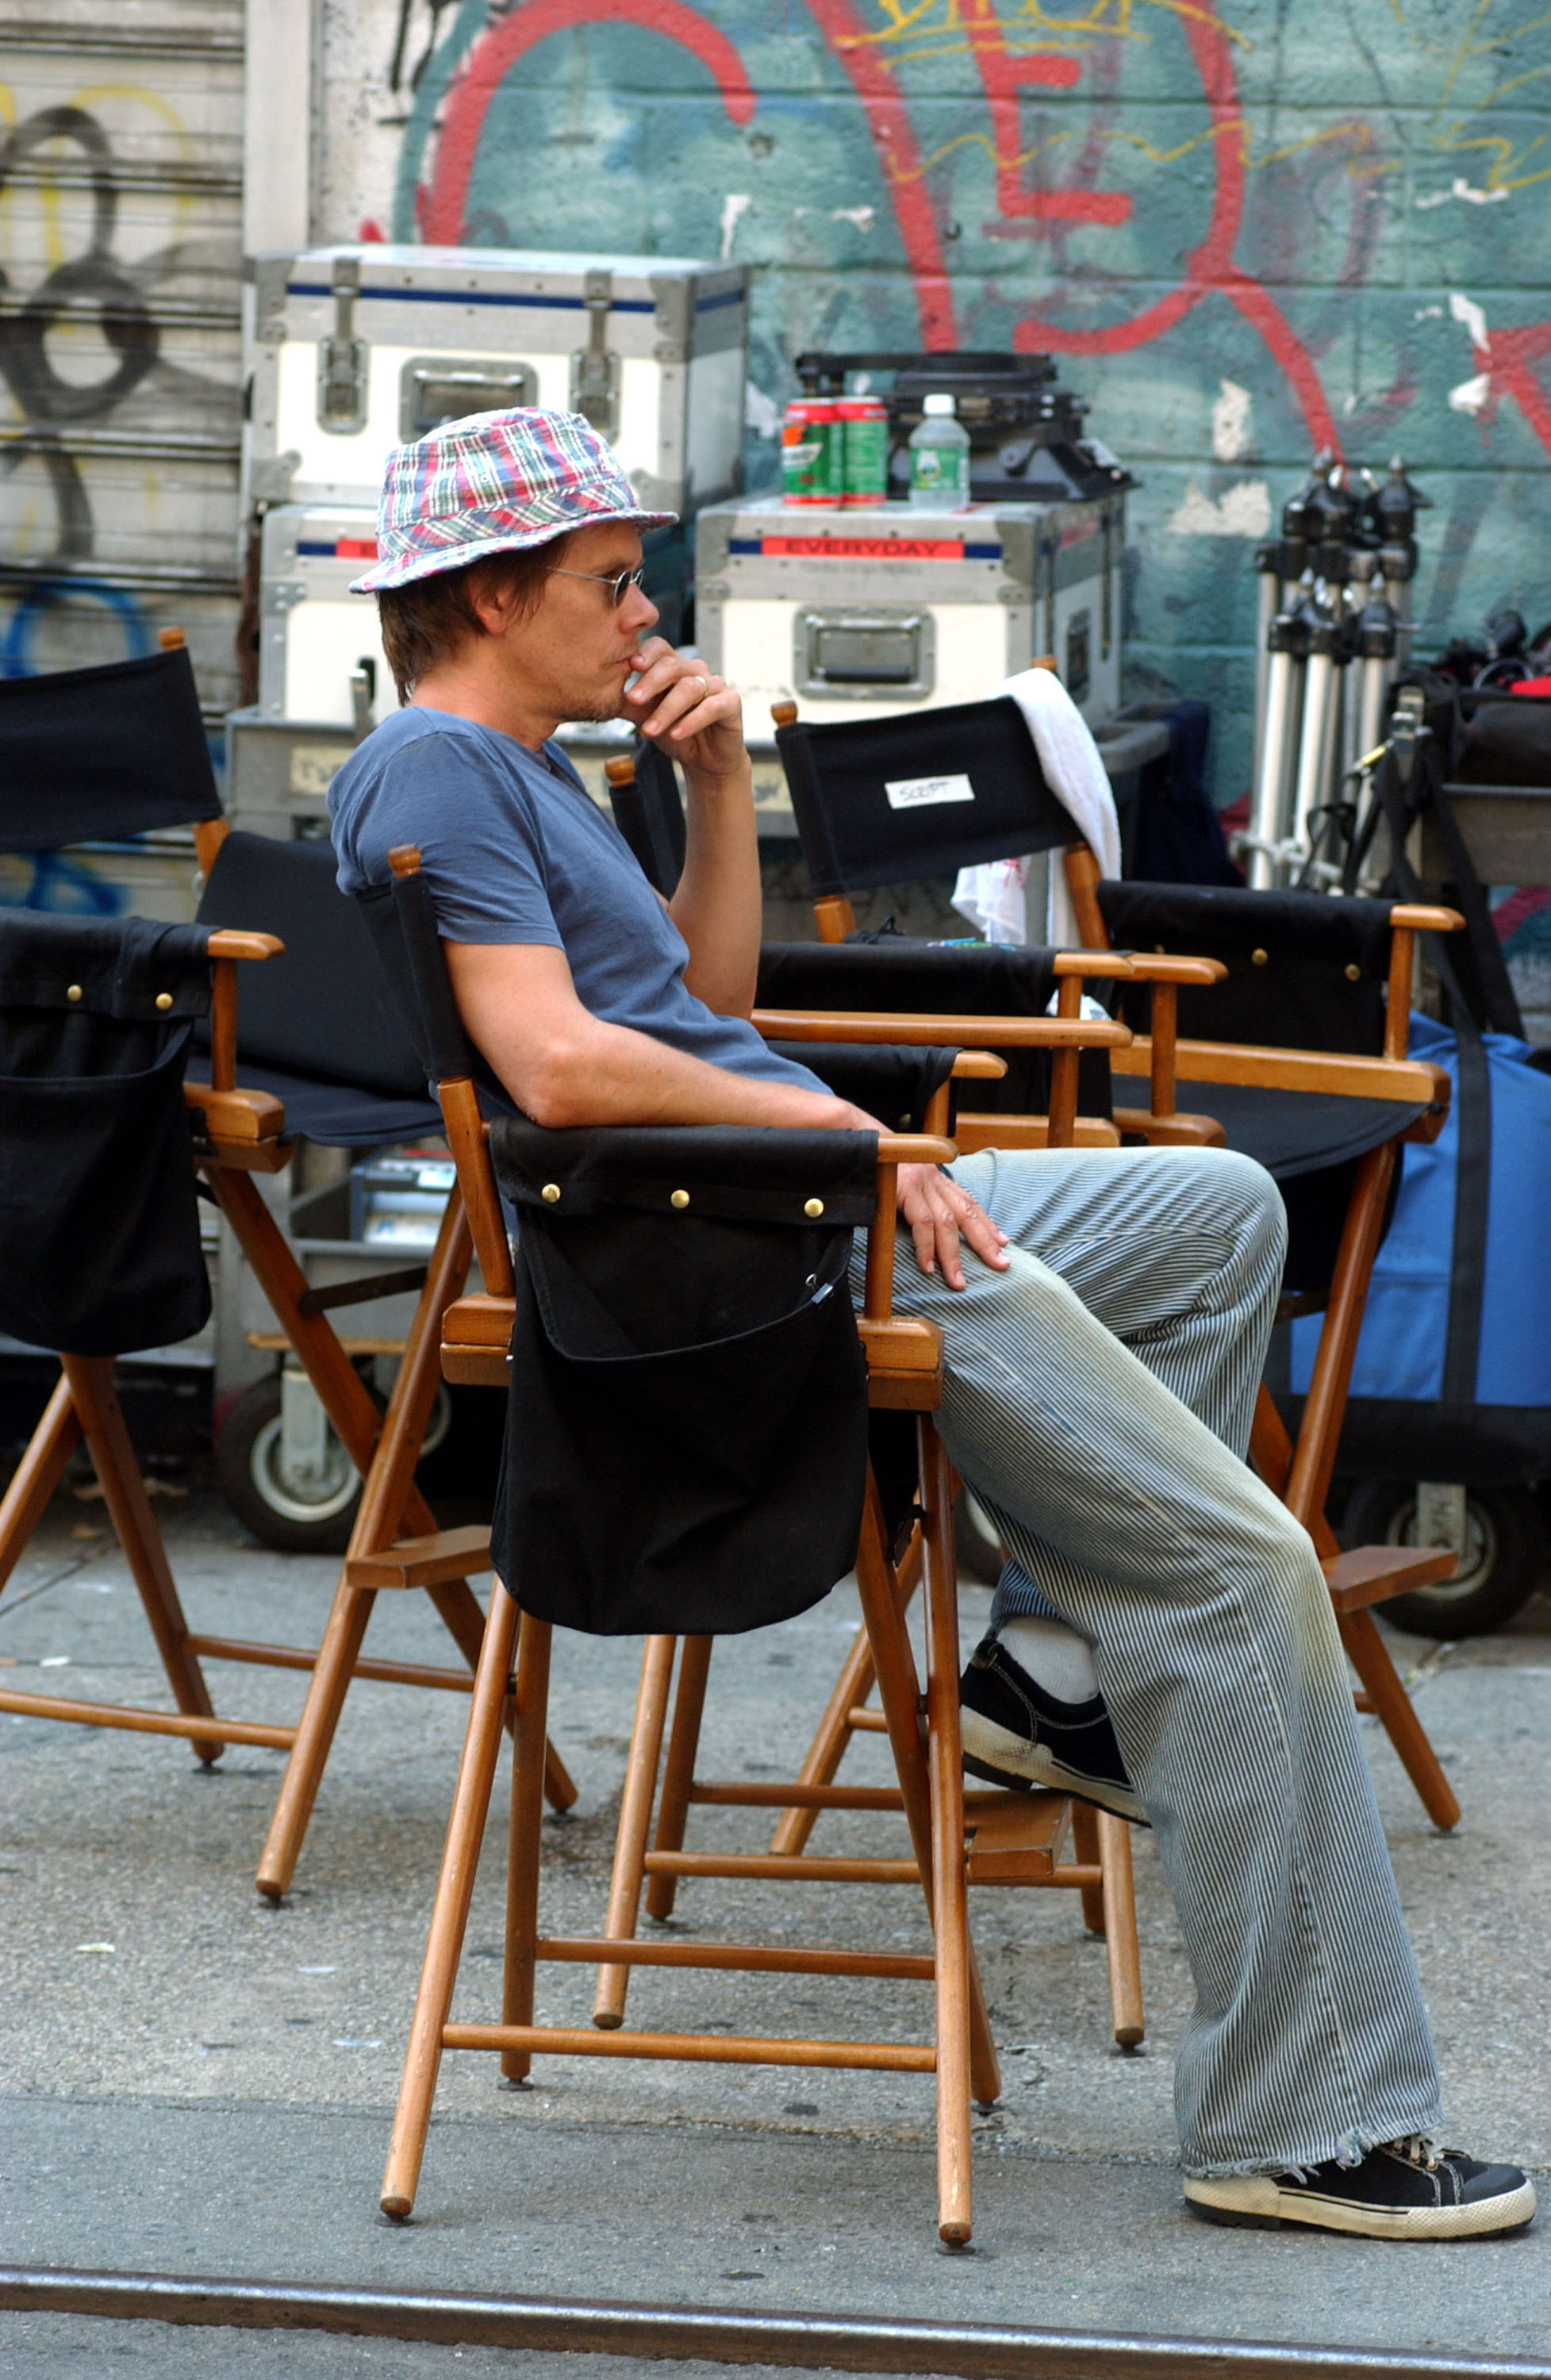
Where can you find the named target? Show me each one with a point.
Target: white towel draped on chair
(994, 896)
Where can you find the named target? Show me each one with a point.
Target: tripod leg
(449, 1915)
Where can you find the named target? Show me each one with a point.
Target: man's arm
(564, 1066)
(698, 719)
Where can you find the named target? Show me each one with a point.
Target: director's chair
(1296, 1055)
(115, 751)
(955, 1838)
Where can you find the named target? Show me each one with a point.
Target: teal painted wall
(1245, 230)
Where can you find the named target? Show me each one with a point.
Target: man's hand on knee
(939, 1215)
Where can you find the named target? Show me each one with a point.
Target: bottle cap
(939, 403)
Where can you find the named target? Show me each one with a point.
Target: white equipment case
(861, 610)
(357, 349)
(316, 639)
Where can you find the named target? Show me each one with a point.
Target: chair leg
(833, 1733)
(1085, 1843)
(528, 1750)
(37, 1476)
(327, 1687)
(89, 1380)
(634, 1819)
(1370, 1657)
(1120, 1930)
(678, 1773)
(449, 1916)
(949, 1875)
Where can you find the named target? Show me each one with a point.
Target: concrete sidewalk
(200, 2084)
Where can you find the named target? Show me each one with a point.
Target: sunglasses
(619, 588)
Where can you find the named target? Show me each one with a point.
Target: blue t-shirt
(515, 850)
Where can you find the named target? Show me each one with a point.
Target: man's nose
(639, 613)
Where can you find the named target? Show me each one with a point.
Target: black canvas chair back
(648, 812)
(316, 1026)
(99, 1226)
(883, 801)
(115, 750)
(686, 1438)
(1305, 972)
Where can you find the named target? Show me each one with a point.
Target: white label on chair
(916, 792)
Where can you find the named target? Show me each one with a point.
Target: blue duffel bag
(1450, 1405)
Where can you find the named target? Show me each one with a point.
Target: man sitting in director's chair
(1162, 1640)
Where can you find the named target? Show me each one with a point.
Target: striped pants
(1098, 1401)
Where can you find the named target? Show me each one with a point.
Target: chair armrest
(1420, 918)
(1164, 967)
(246, 1117)
(915, 1032)
(1408, 1081)
(226, 949)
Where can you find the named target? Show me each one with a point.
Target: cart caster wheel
(1503, 1563)
(309, 1514)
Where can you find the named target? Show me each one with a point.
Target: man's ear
(494, 604)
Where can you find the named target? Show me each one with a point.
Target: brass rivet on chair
(74, 991)
(1353, 972)
(550, 1194)
(163, 1000)
(813, 1209)
(1158, 951)
(680, 1199)
(1258, 958)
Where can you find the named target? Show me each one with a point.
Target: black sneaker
(1400, 2192)
(1015, 1733)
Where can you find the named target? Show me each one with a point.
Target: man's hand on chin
(694, 715)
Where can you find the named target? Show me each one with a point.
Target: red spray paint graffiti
(1210, 270)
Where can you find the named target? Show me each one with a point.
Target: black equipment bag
(99, 1224)
(686, 1438)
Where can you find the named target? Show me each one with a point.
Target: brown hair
(431, 619)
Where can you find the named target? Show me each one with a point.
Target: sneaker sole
(1254, 2202)
(1003, 1758)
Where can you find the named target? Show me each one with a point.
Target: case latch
(341, 358)
(594, 369)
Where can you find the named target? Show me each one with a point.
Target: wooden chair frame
(1300, 1475)
(238, 1133)
(956, 1839)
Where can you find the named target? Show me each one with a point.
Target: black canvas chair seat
(687, 1423)
(115, 750)
(99, 1225)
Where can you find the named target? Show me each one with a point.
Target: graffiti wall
(1246, 230)
(120, 194)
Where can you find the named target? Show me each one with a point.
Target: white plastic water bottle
(939, 458)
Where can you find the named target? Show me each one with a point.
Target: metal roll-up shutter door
(120, 353)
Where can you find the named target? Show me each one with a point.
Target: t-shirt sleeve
(481, 850)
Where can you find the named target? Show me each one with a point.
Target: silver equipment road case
(858, 611)
(357, 349)
(316, 639)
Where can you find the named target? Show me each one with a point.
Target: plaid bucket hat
(493, 483)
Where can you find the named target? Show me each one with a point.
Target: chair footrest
(1015, 1837)
(709, 2048)
(433, 1561)
(1371, 1573)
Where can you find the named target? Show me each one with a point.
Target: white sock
(1054, 1657)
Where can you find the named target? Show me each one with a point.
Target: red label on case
(867, 549)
